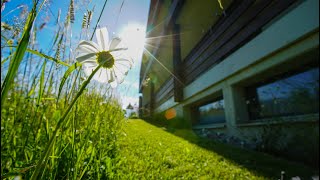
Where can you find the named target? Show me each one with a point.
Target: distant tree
(130, 106)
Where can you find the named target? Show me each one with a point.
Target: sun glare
(133, 36)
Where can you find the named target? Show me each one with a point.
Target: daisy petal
(113, 84)
(111, 76)
(102, 76)
(88, 70)
(124, 62)
(114, 43)
(91, 60)
(117, 54)
(123, 55)
(103, 38)
(120, 69)
(88, 47)
(99, 76)
(90, 64)
(107, 76)
(86, 57)
(99, 73)
(119, 74)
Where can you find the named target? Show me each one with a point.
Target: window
(212, 112)
(294, 94)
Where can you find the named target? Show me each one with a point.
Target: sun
(133, 36)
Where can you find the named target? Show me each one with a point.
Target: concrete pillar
(189, 115)
(235, 107)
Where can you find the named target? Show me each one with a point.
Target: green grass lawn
(151, 152)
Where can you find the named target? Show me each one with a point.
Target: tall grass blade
(34, 81)
(71, 11)
(73, 86)
(220, 4)
(104, 5)
(84, 21)
(89, 19)
(18, 55)
(47, 57)
(50, 85)
(41, 90)
(56, 38)
(6, 59)
(48, 148)
(66, 75)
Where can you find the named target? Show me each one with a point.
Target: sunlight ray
(148, 41)
(150, 63)
(162, 22)
(164, 36)
(150, 45)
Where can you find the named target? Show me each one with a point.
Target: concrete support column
(235, 107)
(189, 115)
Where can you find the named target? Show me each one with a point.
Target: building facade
(233, 66)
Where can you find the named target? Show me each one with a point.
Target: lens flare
(170, 114)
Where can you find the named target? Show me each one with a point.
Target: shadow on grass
(259, 163)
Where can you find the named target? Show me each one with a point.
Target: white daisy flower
(115, 65)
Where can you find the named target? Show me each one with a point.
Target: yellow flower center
(105, 59)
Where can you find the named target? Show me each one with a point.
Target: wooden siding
(242, 24)
(196, 19)
(164, 93)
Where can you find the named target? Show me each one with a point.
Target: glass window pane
(212, 113)
(294, 95)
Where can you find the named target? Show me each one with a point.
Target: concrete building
(234, 67)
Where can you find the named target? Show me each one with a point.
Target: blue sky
(132, 17)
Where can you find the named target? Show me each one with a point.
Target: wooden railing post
(177, 64)
(140, 111)
(152, 98)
